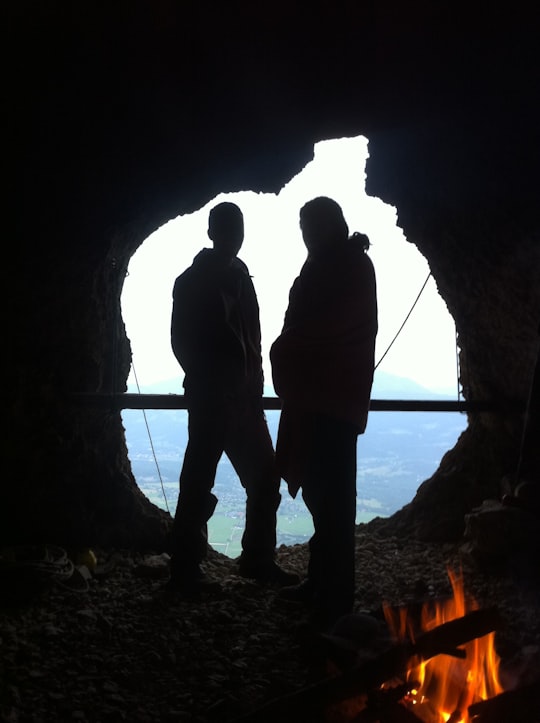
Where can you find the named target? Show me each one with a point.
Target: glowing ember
(446, 685)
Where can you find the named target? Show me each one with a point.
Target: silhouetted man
(322, 366)
(215, 335)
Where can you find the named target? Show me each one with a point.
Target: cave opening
(400, 449)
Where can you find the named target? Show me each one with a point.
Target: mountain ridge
(385, 386)
(396, 454)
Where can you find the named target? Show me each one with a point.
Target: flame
(446, 685)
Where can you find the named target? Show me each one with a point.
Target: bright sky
(274, 252)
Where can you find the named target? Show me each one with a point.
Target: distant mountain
(385, 386)
(396, 454)
(165, 386)
(390, 386)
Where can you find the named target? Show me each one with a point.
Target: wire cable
(376, 365)
(405, 320)
(115, 361)
(28, 570)
(151, 442)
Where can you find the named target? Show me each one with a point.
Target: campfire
(442, 688)
(438, 664)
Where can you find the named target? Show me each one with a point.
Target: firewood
(383, 706)
(399, 714)
(522, 704)
(395, 661)
(309, 701)
(394, 713)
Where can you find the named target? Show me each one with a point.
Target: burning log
(521, 705)
(449, 636)
(396, 713)
(383, 707)
(309, 702)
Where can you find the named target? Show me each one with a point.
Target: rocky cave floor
(117, 648)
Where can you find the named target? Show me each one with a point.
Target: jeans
(238, 428)
(329, 491)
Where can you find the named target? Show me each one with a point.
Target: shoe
(302, 593)
(192, 582)
(270, 573)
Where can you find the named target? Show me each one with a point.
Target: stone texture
(123, 117)
(121, 650)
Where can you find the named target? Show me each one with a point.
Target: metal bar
(177, 401)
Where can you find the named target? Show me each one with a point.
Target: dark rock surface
(121, 116)
(119, 649)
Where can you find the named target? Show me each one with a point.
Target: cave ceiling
(125, 115)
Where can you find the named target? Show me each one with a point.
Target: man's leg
(196, 503)
(250, 449)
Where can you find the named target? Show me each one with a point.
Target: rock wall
(123, 116)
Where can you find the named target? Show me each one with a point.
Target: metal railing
(177, 401)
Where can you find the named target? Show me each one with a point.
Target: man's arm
(195, 329)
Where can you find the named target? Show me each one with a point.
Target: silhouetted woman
(322, 368)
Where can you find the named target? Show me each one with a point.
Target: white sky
(274, 252)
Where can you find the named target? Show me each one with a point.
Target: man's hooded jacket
(215, 328)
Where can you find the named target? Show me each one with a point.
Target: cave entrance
(400, 449)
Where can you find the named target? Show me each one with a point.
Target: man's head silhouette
(226, 229)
